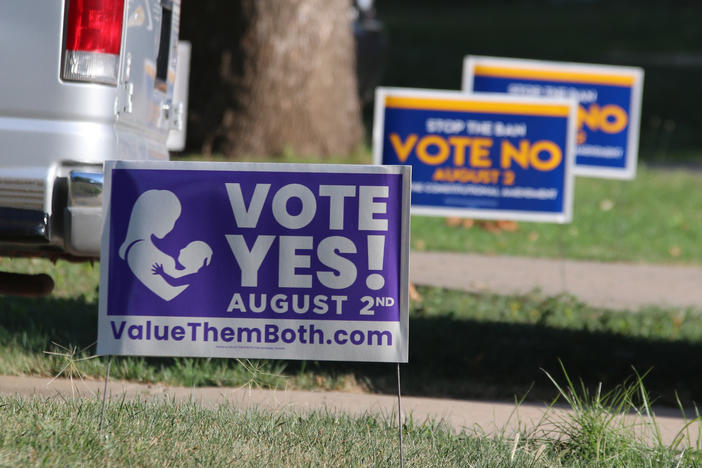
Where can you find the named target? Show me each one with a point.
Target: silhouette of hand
(157, 269)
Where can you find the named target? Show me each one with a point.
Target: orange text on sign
(610, 118)
(433, 150)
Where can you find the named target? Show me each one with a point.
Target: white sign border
(401, 350)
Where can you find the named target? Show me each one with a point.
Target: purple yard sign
(275, 261)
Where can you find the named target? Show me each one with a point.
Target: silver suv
(81, 82)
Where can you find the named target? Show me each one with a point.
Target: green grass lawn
(655, 218)
(463, 345)
(55, 432)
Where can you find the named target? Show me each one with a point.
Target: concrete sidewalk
(481, 417)
(611, 285)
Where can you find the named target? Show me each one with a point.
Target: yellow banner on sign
(477, 106)
(554, 75)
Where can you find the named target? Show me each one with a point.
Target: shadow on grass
(449, 357)
(32, 324)
(498, 360)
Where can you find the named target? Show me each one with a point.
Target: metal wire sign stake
(399, 415)
(104, 393)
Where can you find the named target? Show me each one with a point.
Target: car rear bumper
(53, 212)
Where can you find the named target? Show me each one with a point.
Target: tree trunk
(291, 82)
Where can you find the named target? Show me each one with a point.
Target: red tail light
(93, 39)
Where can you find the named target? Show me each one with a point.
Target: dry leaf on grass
(489, 226)
(508, 226)
(414, 294)
(453, 221)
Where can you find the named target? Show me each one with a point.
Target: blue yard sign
(480, 156)
(271, 261)
(609, 104)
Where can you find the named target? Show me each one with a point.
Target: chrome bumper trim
(85, 188)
